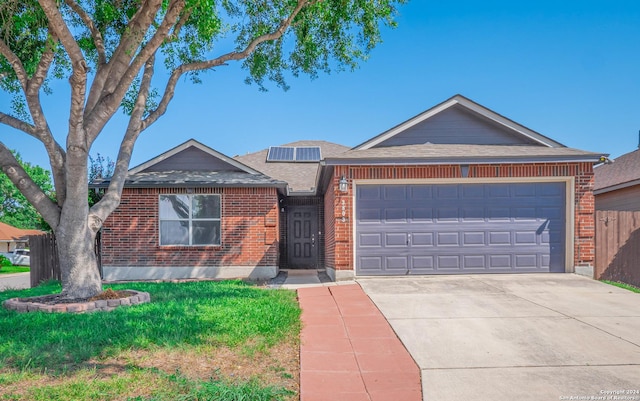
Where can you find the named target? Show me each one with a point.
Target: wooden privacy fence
(44, 259)
(45, 264)
(618, 246)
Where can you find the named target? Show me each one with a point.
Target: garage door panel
(396, 239)
(498, 214)
(370, 239)
(474, 262)
(448, 262)
(395, 215)
(421, 192)
(473, 191)
(397, 263)
(369, 192)
(500, 238)
(447, 214)
(474, 238)
(499, 261)
(443, 228)
(369, 216)
(423, 262)
(395, 192)
(473, 214)
(447, 191)
(526, 261)
(421, 214)
(448, 239)
(524, 213)
(421, 239)
(526, 238)
(370, 264)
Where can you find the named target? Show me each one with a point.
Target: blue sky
(567, 69)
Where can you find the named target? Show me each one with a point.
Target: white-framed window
(189, 220)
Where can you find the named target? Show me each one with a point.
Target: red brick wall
(249, 225)
(339, 247)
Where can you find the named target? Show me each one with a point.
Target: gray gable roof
(193, 164)
(461, 154)
(446, 123)
(623, 172)
(192, 156)
(301, 177)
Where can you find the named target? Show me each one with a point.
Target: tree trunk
(78, 264)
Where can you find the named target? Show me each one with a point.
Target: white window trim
(190, 220)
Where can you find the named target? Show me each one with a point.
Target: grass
(13, 269)
(623, 285)
(194, 341)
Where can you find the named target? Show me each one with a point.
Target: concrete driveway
(516, 337)
(15, 281)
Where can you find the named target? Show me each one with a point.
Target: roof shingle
(624, 170)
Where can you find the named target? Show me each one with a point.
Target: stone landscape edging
(18, 305)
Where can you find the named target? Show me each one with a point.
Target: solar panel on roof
(308, 154)
(294, 154)
(281, 154)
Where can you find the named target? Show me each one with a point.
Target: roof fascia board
(450, 160)
(471, 105)
(616, 187)
(194, 185)
(198, 145)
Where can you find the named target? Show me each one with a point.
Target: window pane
(206, 206)
(174, 207)
(206, 232)
(174, 233)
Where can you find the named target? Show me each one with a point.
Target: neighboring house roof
(195, 165)
(10, 233)
(464, 105)
(457, 154)
(301, 177)
(622, 173)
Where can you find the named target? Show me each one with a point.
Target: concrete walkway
(348, 351)
(516, 337)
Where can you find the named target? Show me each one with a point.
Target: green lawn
(13, 269)
(194, 341)
(623, 285)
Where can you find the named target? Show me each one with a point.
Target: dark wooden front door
(303, 237)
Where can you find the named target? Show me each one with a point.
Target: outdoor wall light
(464, 169)
(343, 184)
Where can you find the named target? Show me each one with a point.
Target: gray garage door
(461, 228)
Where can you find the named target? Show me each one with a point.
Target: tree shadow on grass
(189, 314)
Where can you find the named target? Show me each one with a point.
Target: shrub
(4, 261)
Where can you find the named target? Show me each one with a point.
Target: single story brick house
(457, 189)
(12, 238)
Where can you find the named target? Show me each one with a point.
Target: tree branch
(16, 64)
(99, 212)
(218, 61)
(110, 74)
(35, 82)
(18, 124)
(95, 33)
(111, 103)
(45, 206)
(78, 79)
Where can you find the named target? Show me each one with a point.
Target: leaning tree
(109, 51)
